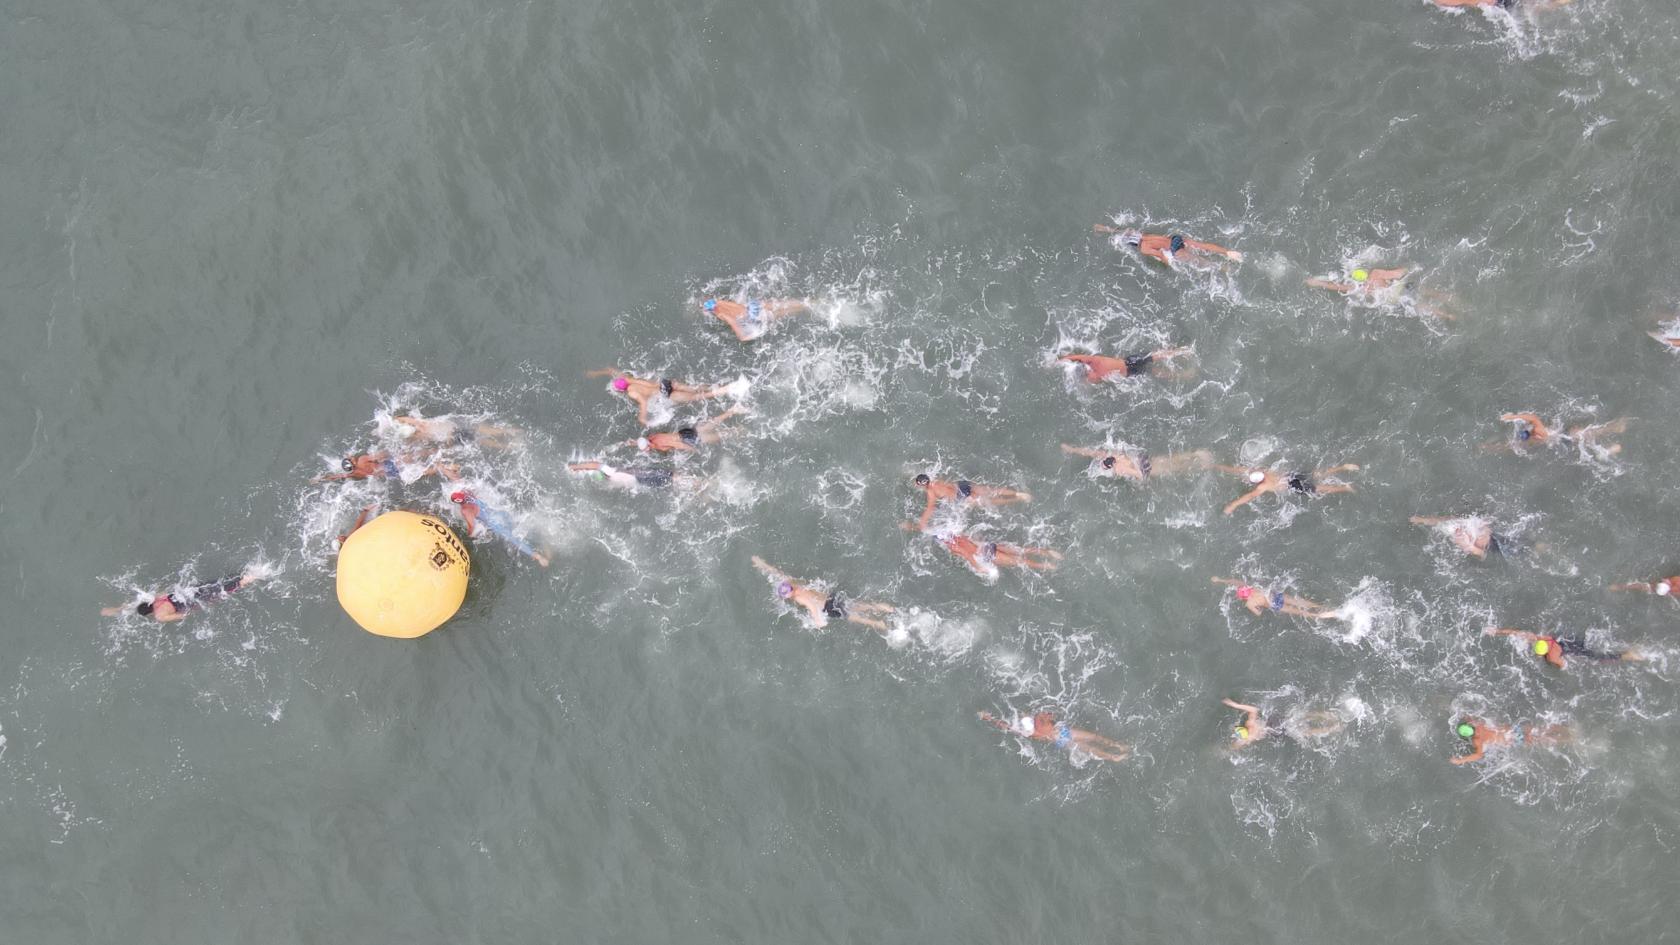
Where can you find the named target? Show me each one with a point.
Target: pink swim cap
(621, 384)
(1245, 592)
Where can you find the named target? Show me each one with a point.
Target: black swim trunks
(1577, 647)
(965, 488)
(1143, 464)
(1303, 484)
(1139, 362)
(834, 607)
(651, 478)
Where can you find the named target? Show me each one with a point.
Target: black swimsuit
(1303, 484)
(834, 607)
(1143, 464)
(1579, 648)
(965, 488)
(651, 478)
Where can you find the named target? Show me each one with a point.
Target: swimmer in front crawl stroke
(446, 431)
(1170, 249)
(986, 557)
(1483, 735)
(1662, 587)
(1552, 649)
(1367, 284)
(1045, 727)
(821, 605)
(1139, 465)
(482, 519)
(938, 490)
(1503, 4)
(1254, 726)
(383, 466)
(1099, 368)
(686, 439)
(172, 606)
(750, 320)
(644, 390)
(1267, 481)
(1259, 601)
(1470, 534)
(1532, 430)
(633, 478)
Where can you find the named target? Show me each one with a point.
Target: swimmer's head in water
(1664, 588)
(754, 307)
(1176, 243)
(457, 497)
(709, 305)
(922, 479)
(1024, 726)
(144, 609)
(784, 590)
(621, 384)
(642, 443)
(1256, 477)
(1241, 733)
(1360, 275)
(1244, 592)
(689, 435)
(666, 387)
(1465, 730)
(1524, 433)
(1108, 462)
(349, 464)
(1542, 647)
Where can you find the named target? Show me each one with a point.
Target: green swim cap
(1466, 730)
(1360, 275)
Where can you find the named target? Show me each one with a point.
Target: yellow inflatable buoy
(402, 575)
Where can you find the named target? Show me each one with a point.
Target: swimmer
(962, 490)
(1483, 735)
(1662, 587)
(1503, 4)
(1044, 727)
(821, 605)
(444, 431)
(1267, 481)
(986, 557)
(1140, 465)
(686, 439)
(750, 320)
(1669, 337)
(1259, 601)
(1531, 429)
(1368, 283)
(177, 605)
(644, 390)
(1100, 368)
(1471, 534)
(632, 478)
(1553, 649)
(482, 519)
(1168, 249)
(1254, 727)
(358, 523)
(382, 466)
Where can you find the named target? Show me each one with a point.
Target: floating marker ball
(402, 575)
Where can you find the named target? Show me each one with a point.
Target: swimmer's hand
(111, 611)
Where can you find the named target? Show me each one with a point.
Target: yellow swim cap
(1541, 647)
(1360, 275)
(1242, 732)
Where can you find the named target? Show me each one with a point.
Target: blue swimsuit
(497, 523)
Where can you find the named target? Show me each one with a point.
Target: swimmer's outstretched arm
(1104, 229)
(1084, 451)
(927, 511)
(1433, 519)
(769, 570)
(605, 372)
(1247, 497)
(1252, 713)
(1342, 287)
(1479, 753)
(994, 721)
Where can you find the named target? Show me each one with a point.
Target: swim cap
(784, 590)
(1466, 730)
(1541, 647)
(1257, 477)
(1663, 587)
(1244, 592)
(1024, 726)
(922, 479)
(689, 435)
(457, 497)
(1108, 462)
(1241, 732)
(621, 384)
(1360, 275)
(710, 305)
(642, 443)
(1176, 243)
(349, 465)
(405, 431)
(1524, 433)
(754, 308)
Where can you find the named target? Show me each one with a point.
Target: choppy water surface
(240, 239)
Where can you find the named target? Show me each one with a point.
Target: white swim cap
(1257, 477)
(1024, 726)
(1663, 587)
(642, 443)
(404, 431)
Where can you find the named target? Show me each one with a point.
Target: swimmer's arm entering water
(769, 570)
(1342, 287)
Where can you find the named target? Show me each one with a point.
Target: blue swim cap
(709, 305)
(753, 307)
(1524, 433)
(1176, 243)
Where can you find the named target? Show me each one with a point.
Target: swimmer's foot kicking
(821, 605)
(1266, 481)
(1140, 465)
(1045, 727)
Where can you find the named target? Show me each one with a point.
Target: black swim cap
(1108, 462)
(665, 386)
(689, 435)
(349, 464)
(145, 608)
(923, 479)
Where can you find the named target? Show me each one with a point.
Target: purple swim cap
(784, 590)
(621, 384)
